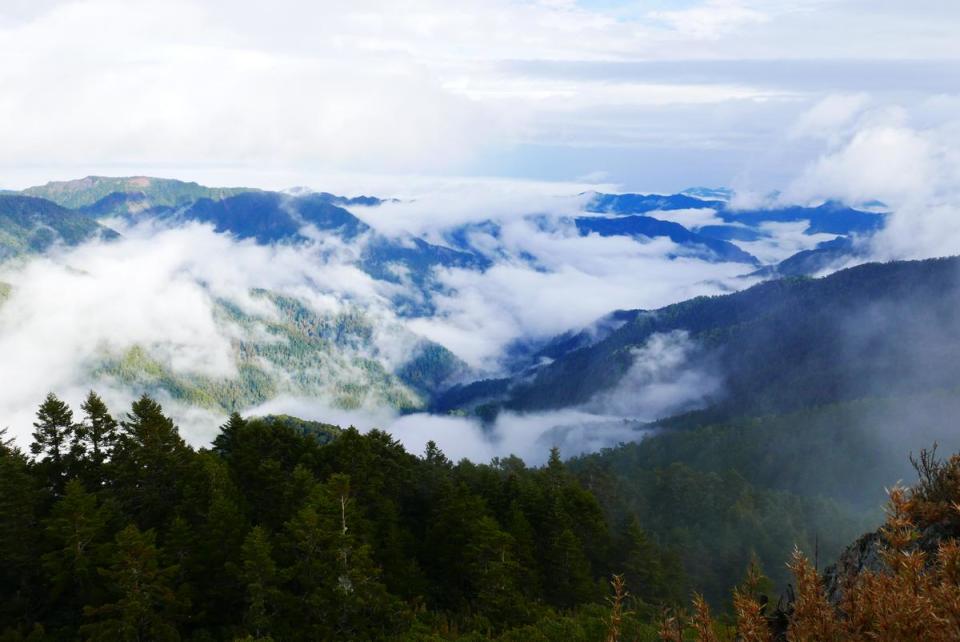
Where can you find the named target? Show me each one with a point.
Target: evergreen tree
(145, 604)
(650, 574)
(20, 575)
(98, 435)
(53, 436)
(494, 573)
(223, 443)
(150, 464)
(334, 572)
(76, 531)
(258, 575)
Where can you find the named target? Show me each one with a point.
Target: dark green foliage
(55, 445)
(687, 492)
(290, 530)
(143, 604)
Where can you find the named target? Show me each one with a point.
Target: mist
(166, 291)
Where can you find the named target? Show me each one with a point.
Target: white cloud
(575, 280)
(713, 18)
(829, 115)
(423, 86)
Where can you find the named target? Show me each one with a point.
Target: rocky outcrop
(866, 555)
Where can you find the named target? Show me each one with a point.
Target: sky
(466, 112)
(645, 95)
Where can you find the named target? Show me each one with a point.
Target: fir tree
(145, 604)
(53, 433)
(98, 434)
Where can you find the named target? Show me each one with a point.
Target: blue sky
(647, 95)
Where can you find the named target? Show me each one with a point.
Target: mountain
(642, 203)
(268, 217)
(825, 256)
(648, 227)
(33, 225)
(275, 217)
(709, 193)
(874, 329)
(829, 218)
(145, 190)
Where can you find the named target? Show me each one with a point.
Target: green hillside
(33, 225)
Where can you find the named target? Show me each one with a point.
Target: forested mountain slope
(33, 225)
(873, 329)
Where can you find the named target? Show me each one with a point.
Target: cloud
(829, 115)
(713, 18)
(573, 281)
(156, 289)
(161, 289)
(529, 436)
(690, 219)
(664, 380)
(433, 207)
(904, 156)
(550, 89)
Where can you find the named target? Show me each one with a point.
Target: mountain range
(334, 355)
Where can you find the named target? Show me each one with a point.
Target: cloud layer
(652, 94)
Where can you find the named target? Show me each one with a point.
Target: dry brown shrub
(751, 624)
(671, 627)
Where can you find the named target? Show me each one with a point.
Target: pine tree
(146, 606)
(223, 443)
(494, 572)
(258, 575)
(76, 531)
(20, 576)
(649, 573)
(334, 572)
(52, 436)
(150, 464)
(98, 435)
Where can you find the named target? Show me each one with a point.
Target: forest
(118, 530)
(284, 529)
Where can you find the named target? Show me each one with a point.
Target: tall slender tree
(53, 435)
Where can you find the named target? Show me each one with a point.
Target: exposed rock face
(865, 555)
(862, 555)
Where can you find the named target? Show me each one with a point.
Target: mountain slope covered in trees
(33, 226)
(875, 329)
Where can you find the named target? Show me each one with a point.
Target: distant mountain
(648, 227)
(276, 217)
(829, 218)
(876, 328)
(33, 225)
(825, 256)
(85, 192)
(643, 203)
(269, 217)
(709, 193)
